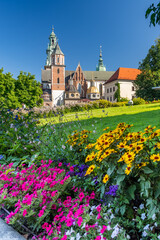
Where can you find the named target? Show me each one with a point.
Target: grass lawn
(96, 120)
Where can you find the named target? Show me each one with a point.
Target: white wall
(58, 97)
(125, 90)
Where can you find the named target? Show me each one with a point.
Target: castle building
(62, 86)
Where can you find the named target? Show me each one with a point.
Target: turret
(100, 66)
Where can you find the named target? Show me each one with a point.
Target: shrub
(138, 101)
(131, 161)
(118, 104)
(104, 104)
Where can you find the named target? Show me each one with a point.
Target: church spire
(100, 66)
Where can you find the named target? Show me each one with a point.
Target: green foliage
(117, 92)
(138, 101)
(13, 93)
(28, 90)
(154, 13)
(7, 91)
(19, 138)
(150, 75)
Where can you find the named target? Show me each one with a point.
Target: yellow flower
(121, 145)
(90, 169)
(138, 148)
(106, 178)
(128, 170)
(155, 157)
(90, 157)
(157, 145)
(105, 128)
(142, 164)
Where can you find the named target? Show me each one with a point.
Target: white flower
(71, 148)
(159, 237)
(93, 207)
(69, 232)
(115, 232)
(83, 225)
(154, 216)
(144, 234)
(143, 216)
(63, 147)
(141, 206)
(146, 227)
(78, 236)
(11, 125)
(72, 238)
(155, 224)
(109, 228)
(94, 131)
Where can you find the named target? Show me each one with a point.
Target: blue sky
(81, 27)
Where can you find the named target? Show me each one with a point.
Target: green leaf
(102, 190)
(120, 178)
(131, 191)
(147, 170)
(122, 209)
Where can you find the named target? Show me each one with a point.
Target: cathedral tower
(100, 66)
(54, 71)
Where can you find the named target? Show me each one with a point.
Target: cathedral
(64, 87)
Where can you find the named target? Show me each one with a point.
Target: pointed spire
(100, 66)
(52, 28)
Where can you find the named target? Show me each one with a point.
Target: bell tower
(55, 63)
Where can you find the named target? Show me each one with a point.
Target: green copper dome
(100, 66)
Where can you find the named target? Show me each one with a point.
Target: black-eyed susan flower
(155, 157)
(105, 179)
(90, 169)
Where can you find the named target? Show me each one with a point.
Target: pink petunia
(80, 220)
(69, 222)
(64, 238)
(98, 238)
(103, 229)
(24, 212)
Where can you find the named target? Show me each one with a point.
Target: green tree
(28, 90)
(117, 93)
(150, 75)
(8, 97)
(154, 13)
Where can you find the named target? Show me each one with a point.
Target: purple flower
(112, 190)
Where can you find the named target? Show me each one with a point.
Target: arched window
(58, 80)
(58, 70)
(58, 59)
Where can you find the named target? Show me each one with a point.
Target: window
(88, 96)
(77, 95)
(107, 90)
(132, 88)
(107, 98)
(72, 94)
(67, 95)
(98, 95)
(58, 80)
(94, 95)
(58, 59)
(111, 98)
(110, 89)
(113, 89)
(58, 70)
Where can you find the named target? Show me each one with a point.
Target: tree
(150, 74)
(28, 90)
(8, 97)
(154, 13)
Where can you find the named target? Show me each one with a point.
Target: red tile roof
(124, 74)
